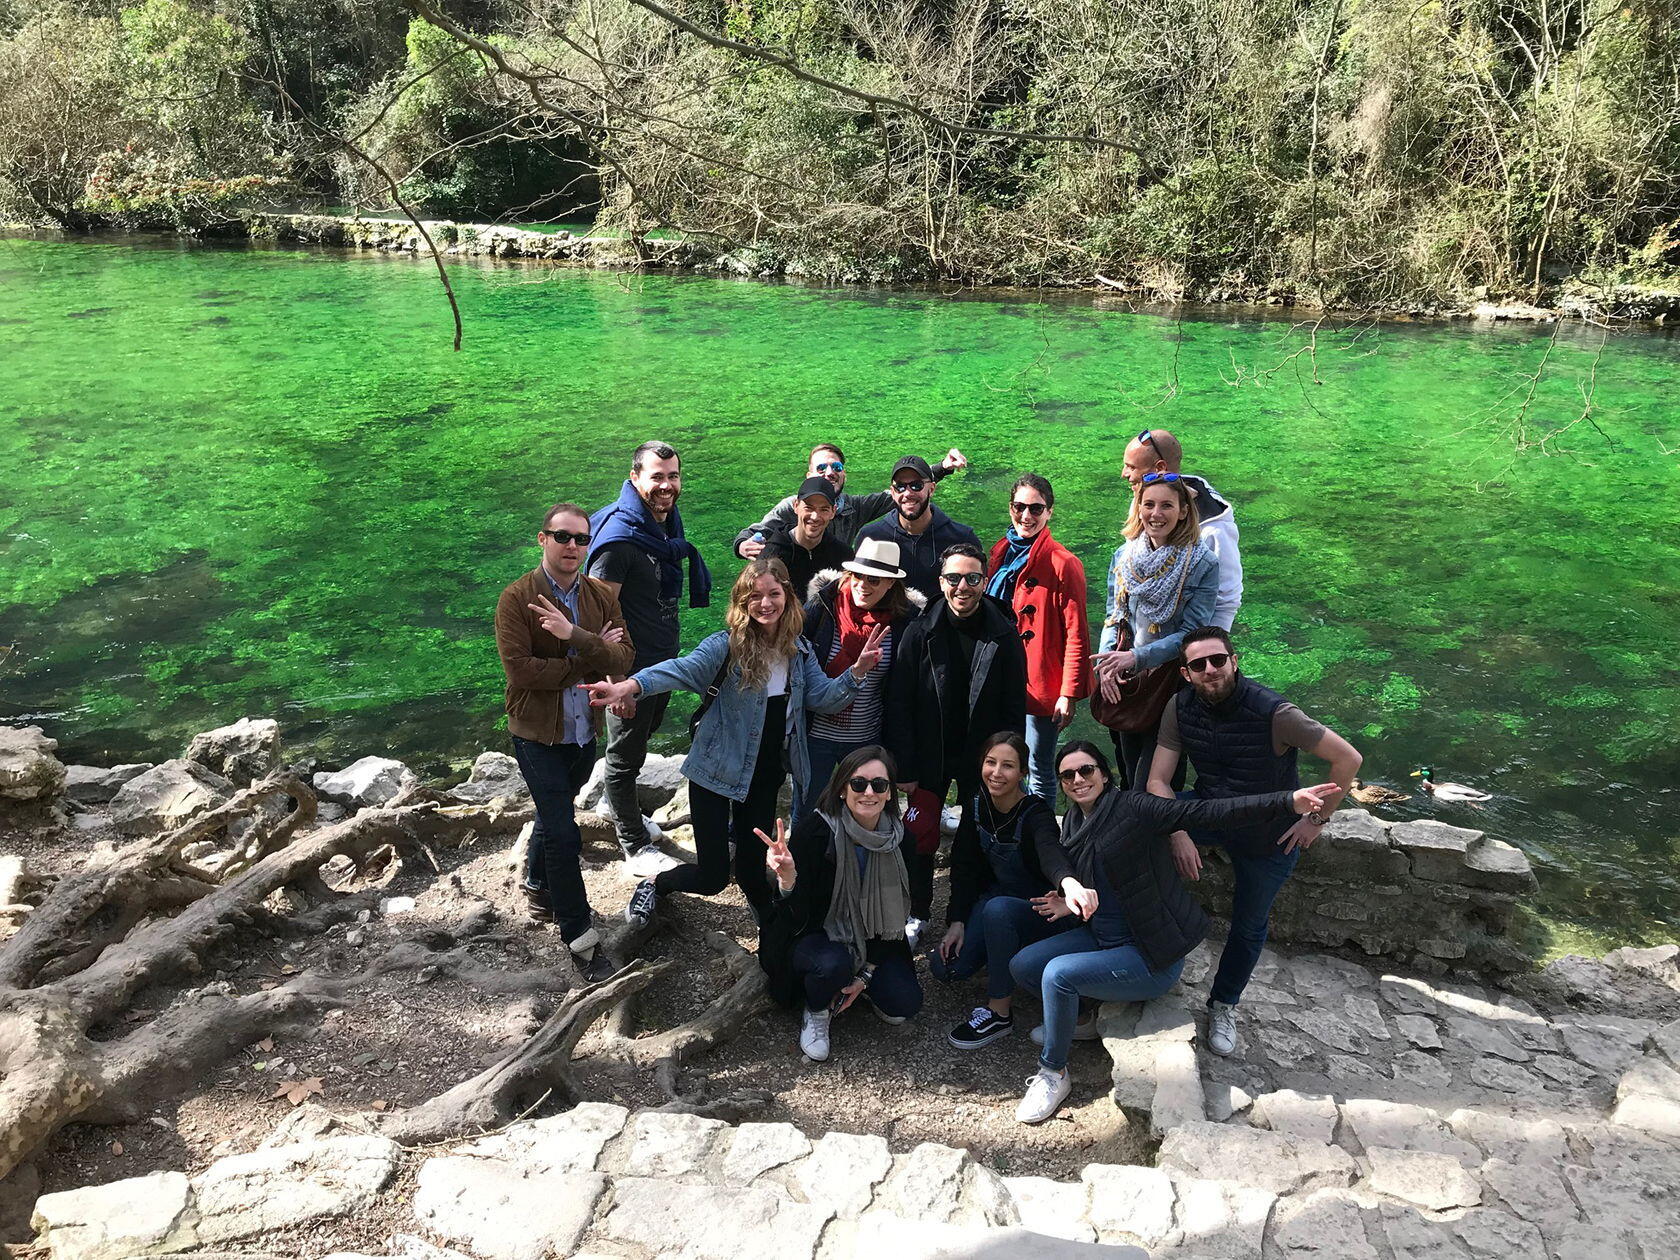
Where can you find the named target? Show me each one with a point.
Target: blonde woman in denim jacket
(1165, 581)
(751, 736)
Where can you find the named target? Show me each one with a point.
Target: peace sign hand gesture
(870, 657)
(777, 860)
(553, 620)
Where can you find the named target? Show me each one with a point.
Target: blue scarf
(1002, 585)
(629, 520)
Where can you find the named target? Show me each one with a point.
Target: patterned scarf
(1154, 577)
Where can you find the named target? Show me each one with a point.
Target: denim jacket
(1201, 595)
(726, 745)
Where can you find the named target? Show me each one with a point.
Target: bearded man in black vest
(1241, 738)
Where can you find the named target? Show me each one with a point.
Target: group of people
(876, 654)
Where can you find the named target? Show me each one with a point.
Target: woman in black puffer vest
(1114, 868)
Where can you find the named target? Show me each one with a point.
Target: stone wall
(467, 240)
(1422, 893)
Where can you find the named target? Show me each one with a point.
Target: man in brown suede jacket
(556, 628)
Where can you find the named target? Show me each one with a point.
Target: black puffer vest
(1230, 744)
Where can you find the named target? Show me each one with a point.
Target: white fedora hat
(876, 557)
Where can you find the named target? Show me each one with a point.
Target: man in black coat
(959, 674)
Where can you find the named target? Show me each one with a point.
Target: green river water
(259, 482)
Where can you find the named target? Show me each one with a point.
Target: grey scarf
(873, 904)
(1155, 578)
(1083, 835)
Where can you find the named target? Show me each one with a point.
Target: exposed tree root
(146, 917)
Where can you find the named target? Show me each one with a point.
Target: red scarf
(851, 628)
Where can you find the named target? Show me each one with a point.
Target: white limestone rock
(368, 782)
(1420, 1030)
(1219, 1221)
(1225, 1101)
(242, 753)
(757, 1148)
(271, 1188)
(713, 1222)
(1178, 1089)
(1648, 1098)
(1326, 1224)
(1278, 1163)
(1514, 1139)
(137, 1216)
(666, 1144)
(1536, 1195)
(1056, 1208)
(167, 795)
(1427, 1179)
(1493, 1235)
(1309, 1116)
(503, 1212)
(96, 785)
(843, 1170)
(569, 1142)
(1403, 1126)
(494, 775)
(28, 769)
(1130, 1204)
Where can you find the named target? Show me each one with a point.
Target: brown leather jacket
(536, 663)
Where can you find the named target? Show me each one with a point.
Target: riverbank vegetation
(1350, 152)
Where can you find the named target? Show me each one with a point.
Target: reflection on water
(260, 482)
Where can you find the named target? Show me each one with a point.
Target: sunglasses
(870, 579)
(1213, 660)
(954, 580)
(564, 536)
(1150, 479)
(835, 466)
(1088, 771)
(1029, 509)
(1147, 436)
(909, 487)
(860, 785)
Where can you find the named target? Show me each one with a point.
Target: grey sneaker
(1046, 1091)
(813, 1035)
(1222, 1027)
(1084, 1030)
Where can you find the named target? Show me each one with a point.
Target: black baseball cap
(817, 485)
(915, 464)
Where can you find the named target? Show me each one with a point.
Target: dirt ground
(409, 1036)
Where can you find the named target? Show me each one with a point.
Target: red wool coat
(1049, 607)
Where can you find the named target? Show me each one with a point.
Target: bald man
(1157, 451)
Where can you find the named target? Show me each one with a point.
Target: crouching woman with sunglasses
(1115, 870)
(836, 930)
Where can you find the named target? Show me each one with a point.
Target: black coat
(803, 911)
(1166, 922)
(915, 730)
(821, 624)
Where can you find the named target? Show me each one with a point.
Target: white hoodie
(1219, 532)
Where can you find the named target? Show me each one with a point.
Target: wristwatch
(1316, 817)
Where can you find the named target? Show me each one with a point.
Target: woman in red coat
(1044, 584)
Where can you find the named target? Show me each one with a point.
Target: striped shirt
(859, 722)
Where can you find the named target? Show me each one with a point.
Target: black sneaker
(536, 905)
(938, 968)
(596, 968)
(984, 1026)
(642, 904)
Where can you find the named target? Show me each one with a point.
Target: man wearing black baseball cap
(922, 531)
(809, 546)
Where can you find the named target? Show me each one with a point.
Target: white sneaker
(1222, 1027)
(648, 861)
(1084, 1030)
(913, 929)
(813, 1035)
(1045, 1092)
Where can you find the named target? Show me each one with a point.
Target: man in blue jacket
(921, 531)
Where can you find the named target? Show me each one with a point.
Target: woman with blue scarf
(1043, 584)
(1164, 583)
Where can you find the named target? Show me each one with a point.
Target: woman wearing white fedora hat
(841, 610)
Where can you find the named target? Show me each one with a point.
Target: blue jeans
(1256, 879)
(1042, 734)
(824, 967)
(996, 930)
(554, 773)
(1072, 965)
(824, 755)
